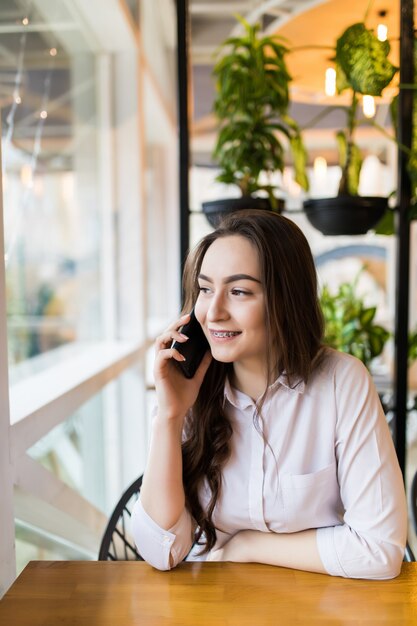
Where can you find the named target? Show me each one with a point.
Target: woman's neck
(251, 380)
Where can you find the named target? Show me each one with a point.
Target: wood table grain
(63, 593)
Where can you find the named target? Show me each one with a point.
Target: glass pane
(158, 23)
(74, 452)
(32, 545)
(49, 138)
(161, 176)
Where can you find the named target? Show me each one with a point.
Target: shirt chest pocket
(310, 500)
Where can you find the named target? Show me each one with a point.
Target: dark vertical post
(184, 150)
(405, 127)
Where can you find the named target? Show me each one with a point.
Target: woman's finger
(172, 333)
(168, 354)
(180, 321)
(168, 337)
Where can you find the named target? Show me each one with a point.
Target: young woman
(277, 451)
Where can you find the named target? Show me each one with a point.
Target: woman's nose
(217, 309)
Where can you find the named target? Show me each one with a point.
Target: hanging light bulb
(319, 179)
(368, 105)
(382, 32)
(320, 168)
(382, 28)
(330, 82)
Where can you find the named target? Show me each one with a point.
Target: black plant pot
(216, 210)
(345, 215)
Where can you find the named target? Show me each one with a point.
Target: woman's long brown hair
(294, 326)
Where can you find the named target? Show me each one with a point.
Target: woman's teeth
(225, 334)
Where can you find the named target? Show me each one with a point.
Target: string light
(330, 82)
(28, 170)
(16, 98)
(368, 105)
(26, 175)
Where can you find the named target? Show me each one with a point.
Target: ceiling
(305, 23)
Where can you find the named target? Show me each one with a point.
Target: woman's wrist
(169, 422)
(245, 540)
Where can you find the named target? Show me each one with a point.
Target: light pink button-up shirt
(325, 460)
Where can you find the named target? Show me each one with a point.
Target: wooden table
(202, 594)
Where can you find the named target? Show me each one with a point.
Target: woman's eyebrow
(231, 279)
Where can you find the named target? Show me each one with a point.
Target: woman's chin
(221, 356)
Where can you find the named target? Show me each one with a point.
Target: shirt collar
(241, 401)
(298, 385)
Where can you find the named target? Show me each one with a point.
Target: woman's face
(230, 305)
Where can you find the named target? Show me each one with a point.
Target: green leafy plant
(362, 65)
(350, 325)
(251, 106)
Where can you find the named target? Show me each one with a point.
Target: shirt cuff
(155, 544)
(328, 552)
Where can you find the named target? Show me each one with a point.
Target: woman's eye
(239, 292)
(203, 289)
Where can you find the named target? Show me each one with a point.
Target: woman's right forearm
(162, 492)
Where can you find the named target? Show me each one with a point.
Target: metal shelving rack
(405, 116)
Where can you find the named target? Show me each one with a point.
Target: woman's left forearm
(294, 550)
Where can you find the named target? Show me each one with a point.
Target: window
(91, 249)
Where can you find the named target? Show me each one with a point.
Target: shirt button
(166, 539)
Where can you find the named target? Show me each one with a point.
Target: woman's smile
(221, 335)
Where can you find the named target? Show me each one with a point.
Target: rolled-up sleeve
(163, 549)
(370, 542)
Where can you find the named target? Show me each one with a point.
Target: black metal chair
(409, 554)
(117, 543)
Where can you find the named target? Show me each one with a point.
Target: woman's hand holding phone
(175, 392)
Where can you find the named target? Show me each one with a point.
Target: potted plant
(251, 107)
(362, 65)
(350, 325)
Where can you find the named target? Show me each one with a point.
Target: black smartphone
(194, 349)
